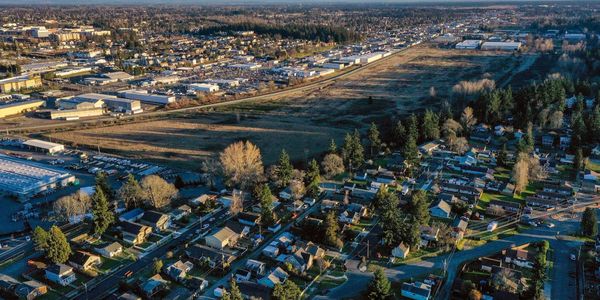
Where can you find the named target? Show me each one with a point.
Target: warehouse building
(468, 44)
(145, 97)
(80, 101)
(15, 84)
(84, 110)
(16, 108)
(43, 146)
(128, 106)
(502, 46)
(202, 87)
(24, 179)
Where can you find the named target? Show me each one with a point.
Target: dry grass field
(305, 123)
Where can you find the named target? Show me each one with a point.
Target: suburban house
(541, 203)
(242, 275)
(441, 209)
(349, 217)
(132, 216)
(255, 266)
(153, 285)
(519, 257)
(386, 177)
(416, 291)
(109, 250)
(181, 212)
(253, 290)
(459, 227)
(506, 206)
(60, 274)
(134, 233)
(300, 260)
(216, 259)
(277, 276)
(249, 218)
(13, 289)
(158, 221)
(401, 251)
(429, 234)
(83, 261)
(271, 251)
(129, 296)
(222, 238)
(286, 193)
(470, 193)
(178, 270)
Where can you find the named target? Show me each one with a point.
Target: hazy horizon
(253, 2)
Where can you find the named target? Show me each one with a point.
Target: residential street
(563, 287)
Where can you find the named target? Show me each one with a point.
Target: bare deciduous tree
(332, 165)
(467, 118)
(556, 119)
(158, 192)
(297, 188)
(520, 172)
(242, 164)
(70, 207)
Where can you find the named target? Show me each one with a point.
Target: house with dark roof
(216, 259)
(508, 206)
(249, 218)
(13, 289)
(154, 285)
(84, 261)
(253, 290)
(518, 256)
(277, 276)
(134, 233)
(179, 270)
(158, 221)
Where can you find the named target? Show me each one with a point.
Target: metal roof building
(44, 146)
(24, 179)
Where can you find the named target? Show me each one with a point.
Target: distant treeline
(297, 31)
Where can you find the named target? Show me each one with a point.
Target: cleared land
(303, 123)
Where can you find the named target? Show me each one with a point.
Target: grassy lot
(593, 165)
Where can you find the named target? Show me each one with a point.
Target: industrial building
(79, 101)
(503, 46)
(43, 146)
(15, 84)
(16, 108)
(145, 97)
(128, 106)
(468, 44)
(24, 179)
(203, 87)
(84, 110)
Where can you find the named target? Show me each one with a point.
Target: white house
(401, 251)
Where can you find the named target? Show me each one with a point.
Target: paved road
(256, 253)
(109, 283)
(358, 281)
(304, 88)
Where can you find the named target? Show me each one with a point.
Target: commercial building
(15, 84)
(503, 46)
(16, 108)
(145, 97)
(128, 106)
(44, 146)
(203, 87)
(24, 179)
(97, 101)
(468, 44)
(83, 110)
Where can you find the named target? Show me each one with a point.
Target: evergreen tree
(399, 134)
(410, 233)
(287, 291)
(502, 158)
(103, 184)
(589, 222)
(40, 238)
(313, 177)
(412, 127)
(102, 215)
(266, 204)
(374, 138)
(353, 151)
(58, 249)
(284, 169)
(131, 193)
(332, 147)
(411, 154)
(430, 126)
(179, 182)
(332, 230)
(235, 293)
(157, 266)
(379, 287)
(579, 160)
(418, 207)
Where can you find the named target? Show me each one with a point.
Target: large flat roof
(42, 144)
(21, 177)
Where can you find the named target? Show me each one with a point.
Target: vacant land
(304, 123)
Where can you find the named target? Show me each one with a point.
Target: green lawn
(593, 165)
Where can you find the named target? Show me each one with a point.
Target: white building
(468, 44)
(44, 146)
(145, 97)
(503, 46)
(203, 87)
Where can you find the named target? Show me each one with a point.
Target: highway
(165, 113)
